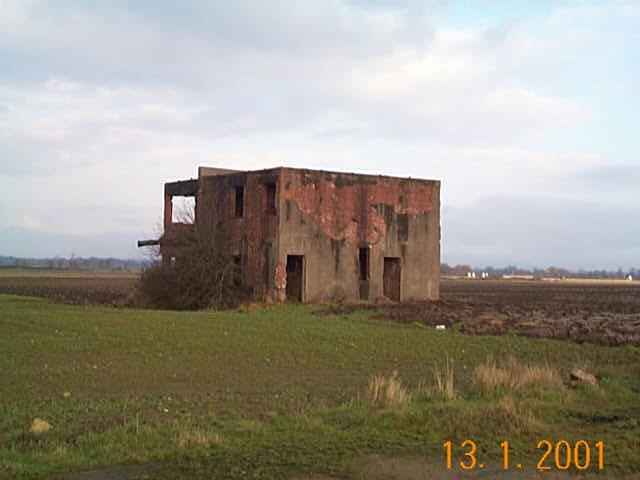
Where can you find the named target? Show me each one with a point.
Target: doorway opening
(363, 261)
(295, 264)
(391, 278)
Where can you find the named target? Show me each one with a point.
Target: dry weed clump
(186, 439)
(443, 379)
(511, 416)
(515, 376)
(387, 391)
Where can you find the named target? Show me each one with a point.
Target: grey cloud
(31, 243)
(151, 38)
(611, 177)
(542, 231)
(289, 67)
(111, 218)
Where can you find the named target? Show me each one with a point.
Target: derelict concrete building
(315, 236)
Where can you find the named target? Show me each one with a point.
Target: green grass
(278, 392)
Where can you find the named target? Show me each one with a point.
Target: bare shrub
(157, 288)
(515, 376)
(387, 391)
(443, 384)
(203, 275)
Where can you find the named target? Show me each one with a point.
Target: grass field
(284, 393)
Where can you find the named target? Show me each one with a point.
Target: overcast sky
(527, 112)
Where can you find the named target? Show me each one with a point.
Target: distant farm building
(518, 277)
(313, 236)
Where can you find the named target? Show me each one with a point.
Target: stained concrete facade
(315, 236)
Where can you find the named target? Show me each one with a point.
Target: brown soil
(387, 468)
(605, 314)
(125, 472)
(81, 290)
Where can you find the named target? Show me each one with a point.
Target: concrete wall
(326, 217)
(251, 236)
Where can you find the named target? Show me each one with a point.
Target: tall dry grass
(516, 376)
(511, 415)
(387, 391)
(443, 379)
(191, 438)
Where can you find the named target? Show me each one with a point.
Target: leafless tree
(203, 275)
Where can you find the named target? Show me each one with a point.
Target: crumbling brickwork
(317, 236)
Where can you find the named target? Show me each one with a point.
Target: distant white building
(630, 277)
(518, 277)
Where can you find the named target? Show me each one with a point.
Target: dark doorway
(271, 198)
(239, 201)
(363, 261)
(391, 278)
(294, 277)
(237, 270)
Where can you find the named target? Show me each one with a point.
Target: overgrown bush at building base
(203, 276)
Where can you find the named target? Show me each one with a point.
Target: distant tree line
(110, 263)
(73, 263)
(549, 272)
